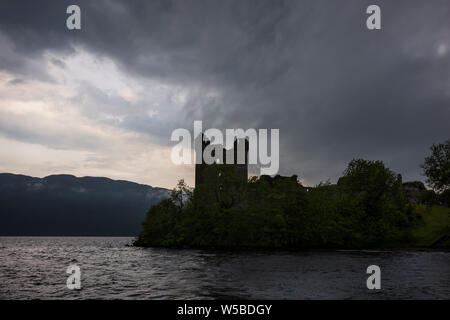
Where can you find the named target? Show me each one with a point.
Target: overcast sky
(103, 100)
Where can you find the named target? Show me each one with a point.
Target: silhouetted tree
(437, 166)
(181, 193)
(372, 196)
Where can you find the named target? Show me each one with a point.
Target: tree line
(366, 208)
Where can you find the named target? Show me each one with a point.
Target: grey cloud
(57, 62)
(16, 81)
(25, 130)
(310, 68)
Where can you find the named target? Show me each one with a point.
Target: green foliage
(428, 197)
(437, 166)
(434, 227)
(378, 206)
(161, 221)
(444, 198)
(366, 208)
(180, 194)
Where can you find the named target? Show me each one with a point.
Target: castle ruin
(239, 162)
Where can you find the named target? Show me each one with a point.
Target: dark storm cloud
(311, 68)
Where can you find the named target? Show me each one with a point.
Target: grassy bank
(433, 231)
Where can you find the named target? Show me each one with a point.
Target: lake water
(35, 268)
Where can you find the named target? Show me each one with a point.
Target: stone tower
(240, 169)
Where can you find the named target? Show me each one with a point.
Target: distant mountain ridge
(65, 205)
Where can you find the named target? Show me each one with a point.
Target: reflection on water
(34, 268)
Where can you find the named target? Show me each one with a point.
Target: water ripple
(35, 268)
